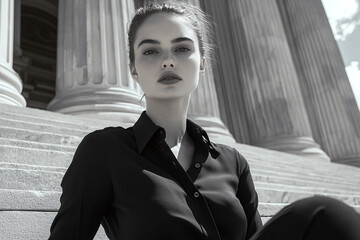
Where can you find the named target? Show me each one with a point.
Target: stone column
(93, 76)
(263, 76)
(227, 73)
(330, 102)
(10, 82)
(17, 28)
(20, 62)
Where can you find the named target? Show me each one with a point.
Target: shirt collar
(145, 129)
(198, 134)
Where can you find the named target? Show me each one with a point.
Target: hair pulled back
(197, 19)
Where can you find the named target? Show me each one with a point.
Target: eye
(182, 50)
(149, 52)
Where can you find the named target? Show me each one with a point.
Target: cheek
(193, 63)
(144, 65)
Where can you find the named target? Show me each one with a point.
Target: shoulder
(231, 154)
(109, 134)
(107, 140)
(99, 144)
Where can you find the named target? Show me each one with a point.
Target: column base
(351, 161)
(111, 104)
(10, 87)
(301, 146)
(216, 129)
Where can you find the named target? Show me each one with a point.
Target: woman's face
(167, 57)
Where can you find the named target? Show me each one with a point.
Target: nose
(168, 63)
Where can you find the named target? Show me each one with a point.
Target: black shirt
(131, 182)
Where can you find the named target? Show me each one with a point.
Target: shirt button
(197, 165)
(174, 163)
(196, 194)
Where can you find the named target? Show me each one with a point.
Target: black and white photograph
(180, 119)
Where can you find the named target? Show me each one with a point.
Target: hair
(200, 22)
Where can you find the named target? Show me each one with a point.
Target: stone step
(313, 189)
(353, 176)
(332, 169)
(270, 195)
(30, 156)
(70, 122)
(56, 128)
(25, 225)
(302, 180)
(30, 179)
(39, 137)
(36, 145)
(6, 165)
(268, 210)
(286, 161)
(47, 117)
(29, 200)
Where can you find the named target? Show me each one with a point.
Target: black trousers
(313, 218)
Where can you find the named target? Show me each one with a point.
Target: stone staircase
(37, 146)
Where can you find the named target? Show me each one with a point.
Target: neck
(171, 115)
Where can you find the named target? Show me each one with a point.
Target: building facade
(275, 80)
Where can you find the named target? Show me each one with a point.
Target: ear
(133, 72)
(202, 65)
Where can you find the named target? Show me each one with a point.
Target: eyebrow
(176, 40)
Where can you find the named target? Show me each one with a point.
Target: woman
(163, 178)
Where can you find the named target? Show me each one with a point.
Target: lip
(169, 78)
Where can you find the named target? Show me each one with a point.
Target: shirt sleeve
(248, 197)
(87, 192)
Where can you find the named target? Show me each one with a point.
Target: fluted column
(10, 82)
(263, 76)
(227, 73)
(93, 76)
(17, 28)
(333, 113)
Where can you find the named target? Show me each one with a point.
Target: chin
(171, 96)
